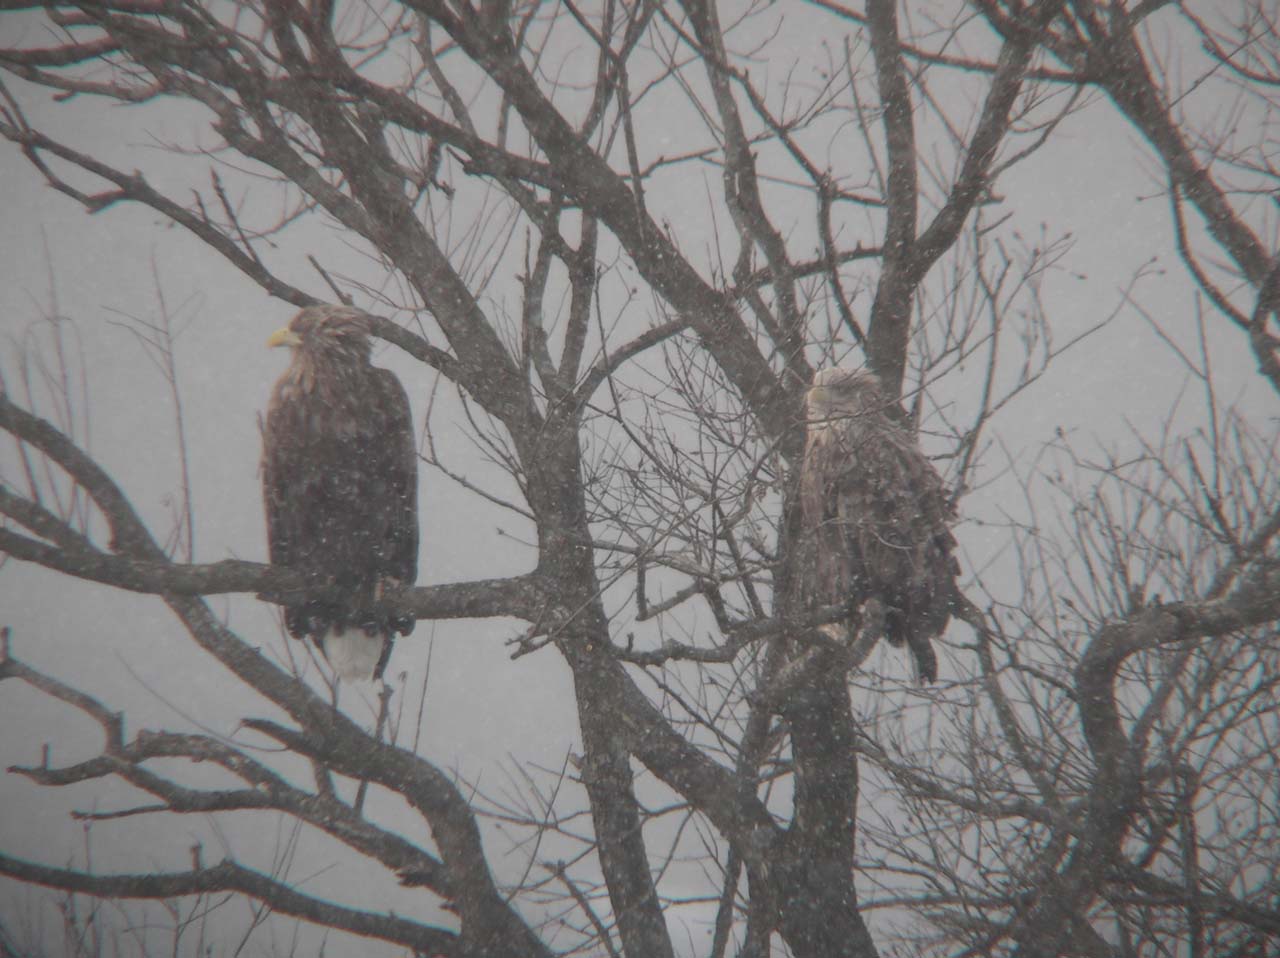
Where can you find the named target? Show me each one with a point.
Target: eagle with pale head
(876, 516)
(340, 482)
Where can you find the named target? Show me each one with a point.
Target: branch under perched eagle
(340, 481)
(876, 516)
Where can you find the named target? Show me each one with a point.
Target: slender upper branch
(1117, 63)
(605, 194)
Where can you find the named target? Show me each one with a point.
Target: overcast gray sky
(98, 271)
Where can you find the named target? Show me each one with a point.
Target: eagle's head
(326, 333)
(839, 393)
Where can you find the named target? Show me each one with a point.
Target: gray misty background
(100, 278)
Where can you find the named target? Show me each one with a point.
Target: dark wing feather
(395, 463)
(340, 485)
(879, 519)
(286, 471)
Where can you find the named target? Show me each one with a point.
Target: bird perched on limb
(876, 517)
(340, 482)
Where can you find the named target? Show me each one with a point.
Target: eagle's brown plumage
(339, 476)
(875, 514)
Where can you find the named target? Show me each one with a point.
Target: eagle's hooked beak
(284, 337)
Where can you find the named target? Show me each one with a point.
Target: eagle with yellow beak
(340, 482)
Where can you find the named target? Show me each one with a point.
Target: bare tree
(1095, 776)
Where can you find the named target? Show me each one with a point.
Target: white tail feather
(353, 653)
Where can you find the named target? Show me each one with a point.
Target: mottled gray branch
(231, 876)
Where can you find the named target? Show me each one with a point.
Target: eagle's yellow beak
(284, 337)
